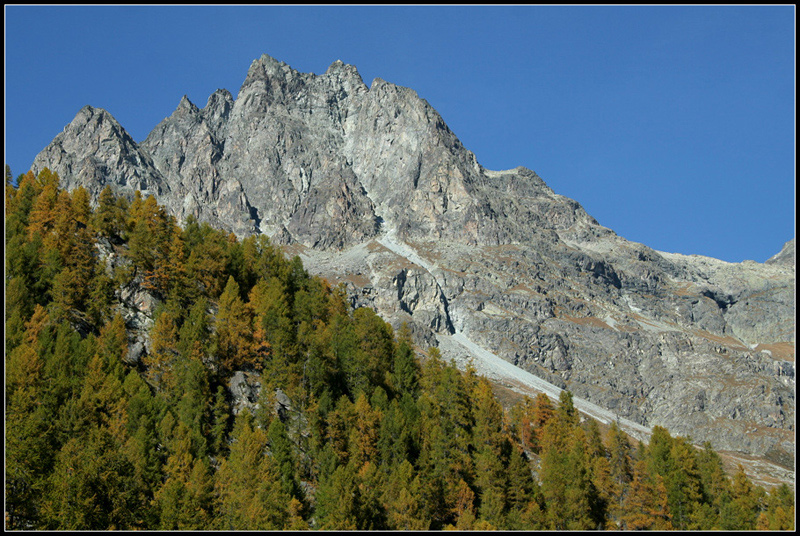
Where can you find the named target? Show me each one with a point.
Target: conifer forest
(354, 426)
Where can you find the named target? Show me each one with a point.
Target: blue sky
(673, 126)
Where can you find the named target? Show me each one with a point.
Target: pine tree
(219, 426)
(28, 452)
(247, 488)
(489, 455)
(405, 368)
(42, 216)
(272, 320)
(779, 514)
(446, 429)
(234, 335)
(370, 482)
(525, 501)
(682, 480)
(282, 451)
(464, 507)
(646, 505)
(184, 500)
(566, 478)
(193, 401)
(81, 206)
(143, 447)
(338, 501)
(402, 499)
(91, 486)
(620, 469)
(742, 512)
(376, 341)
(195, 332)
(206, 262)
(160, 362)
(398, 438)
(716, 488)
(173, 272)
(107, 218)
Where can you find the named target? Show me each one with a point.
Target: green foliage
(371, 437)
(248, 490)
(234, 334)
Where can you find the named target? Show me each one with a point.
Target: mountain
(371, 189)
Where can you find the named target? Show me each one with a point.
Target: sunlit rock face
(371, 188)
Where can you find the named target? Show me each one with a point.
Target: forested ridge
(376, 438)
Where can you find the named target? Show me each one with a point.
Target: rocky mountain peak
(264, 66)
(376, 192)
(220, 98)
(218, 110)
(185, 105)
(97, 119)
(344, 79)
(786, 256)
(339, 66)
(95, 150)
(271, 80)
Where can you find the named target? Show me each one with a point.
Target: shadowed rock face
(372, 189)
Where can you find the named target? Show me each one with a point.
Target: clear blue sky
(673, 126)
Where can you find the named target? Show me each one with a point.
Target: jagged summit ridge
(373, 189)
(289, 135)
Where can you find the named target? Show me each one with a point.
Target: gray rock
(785, 256)
(94, 151)
(375, 191)
(244, 388)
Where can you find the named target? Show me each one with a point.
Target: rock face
(371, 189)
(95, 151)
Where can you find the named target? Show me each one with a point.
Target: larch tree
(234, 334)
(247, 488)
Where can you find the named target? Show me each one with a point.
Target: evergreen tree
(566, 478)
(742, 512)
(525, 501)
(620, 466)
(206, 262)
(779, 514)
(446, 430)
(716, 489)
(234, 335)
(28, 452)
(220, 415)
(184, 500)
(272, 325)
(402, 499)
(405, 368)
(247, 488)
(646, 505)
(282, 451)
(42, 216)
(338, 501)
(160, 362)
(674, 459)
(363, 438)
(108, 219)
